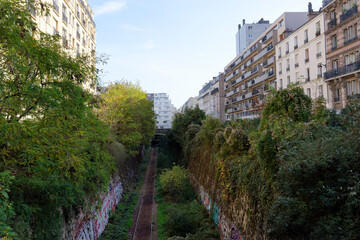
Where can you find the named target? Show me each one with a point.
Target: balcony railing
(306, 60)
(348, 14)
(296, 65)
(288, 69)
(318, 55)
(296, 46)
(306, 40)
(332, 23)
(287, 52)
(334, 47)
(351, 40)
(343, 70)
(254, 92)
(317, 33)
(254, 70)
(336, 99)
(279, 56)
(270, 47)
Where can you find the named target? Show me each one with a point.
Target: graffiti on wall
(228, 230)
(90, 228)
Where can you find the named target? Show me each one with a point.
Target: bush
(175, 185)
(183, 219)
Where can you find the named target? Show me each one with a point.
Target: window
(319, 70)
(306, 55)
(321, 91)
(287, 64)
(295, 42)
(281, 84)
(334, 42)
(281, 23)
(249, 27)
(354, 90)
(296, 59)
(296, 76)
(318, 31)
(346, 35)
(351, 58)
(308, 92)
(335, 64)
(333, 15)
(288, 81)
(346, 60)
(307, 75)
(250, 36)
(306, 36)
(348, 88)
(279, 52)
(318, 47)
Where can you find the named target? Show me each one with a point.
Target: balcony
(306, 60)
(318, 55)
(269, 47)
(336, 99)
(288, 69)
(332, 23)
(254, 70)
(333, 48)
(343, 70)
(348, 14)
(279, 56)
(254, 92)
(296, 46)
(287, 52)
(318, 33)
(351, 40)
(306, 40)
(296, 65)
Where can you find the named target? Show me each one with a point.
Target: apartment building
(248, 33)
(251, 74)
(190, 103)
(301, 58)
(342, 50)
(163, 108)
(73, 21)
(211, 98)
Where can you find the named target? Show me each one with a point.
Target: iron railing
(343, 70)
(332, 23)
(348, 14)
(351, 40)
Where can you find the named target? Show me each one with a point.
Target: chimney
(310, 9)
(239, 26)
(243, 22)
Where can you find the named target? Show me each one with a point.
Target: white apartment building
(247, 33)
(190, 103)
(301, 57)
(73, 21)
(164, 110)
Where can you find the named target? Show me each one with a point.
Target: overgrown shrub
(175, 184)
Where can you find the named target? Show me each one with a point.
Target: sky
(176, 46)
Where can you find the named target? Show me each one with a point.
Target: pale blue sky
(175, 46)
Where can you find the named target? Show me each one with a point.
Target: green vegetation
(54, 149)
(295, 173)
(122, 219)
(180, 215)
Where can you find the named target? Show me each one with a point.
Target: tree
(131, 116)
(51, 140)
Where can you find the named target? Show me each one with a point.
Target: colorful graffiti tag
(89, 228)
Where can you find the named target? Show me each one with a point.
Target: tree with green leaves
(130, 115)
(52, 143)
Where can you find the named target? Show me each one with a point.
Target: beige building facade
(250, 76)
(342, 50)
(73, 21)
(301, 58)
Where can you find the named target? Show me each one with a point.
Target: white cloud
(109, 6)
(148, 45)
(132, 28)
